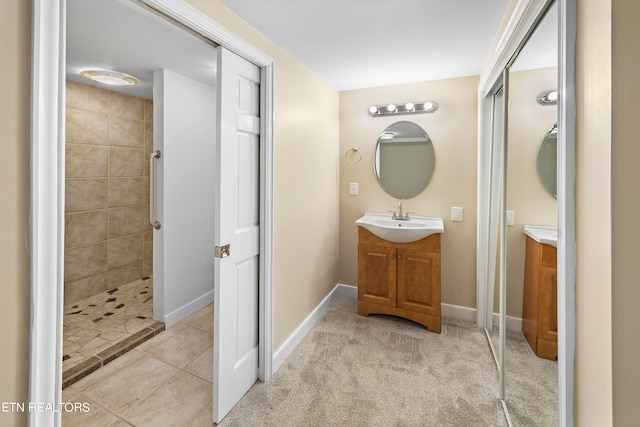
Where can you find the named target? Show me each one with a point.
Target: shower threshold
(103, 327)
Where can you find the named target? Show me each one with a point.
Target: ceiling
(351, 44)
(120, 36)
(354, 44)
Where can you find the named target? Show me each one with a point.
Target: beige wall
(453, 131)
(526, 196)
(108, 239)
(625, 207)
(15, 29)
(593, 384)
(305, 179)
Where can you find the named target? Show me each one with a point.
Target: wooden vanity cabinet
(400, 279)
(540, 301)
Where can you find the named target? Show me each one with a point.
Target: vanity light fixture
(112, 78)
(406, 108)
(548, 97)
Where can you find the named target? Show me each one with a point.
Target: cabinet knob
(399, 256)
(392, 256)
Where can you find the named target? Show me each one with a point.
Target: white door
(237, 224)
(184, 132)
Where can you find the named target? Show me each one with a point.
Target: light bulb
(553, 95)
(373, 109)
(391, 108)
(428, 106)
(409, 106)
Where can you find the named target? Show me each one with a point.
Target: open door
(237, 230)
(183, 239)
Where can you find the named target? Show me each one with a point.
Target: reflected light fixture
(548, 97)
(111, 78)
(405, 108)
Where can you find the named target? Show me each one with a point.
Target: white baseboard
(448, 310)
(294, 339)
(513, 323)
(188, 309)
(458, 312)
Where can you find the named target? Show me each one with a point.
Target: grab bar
(155, 155)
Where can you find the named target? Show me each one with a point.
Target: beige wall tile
(125, 162)
(148, 110)
(125, 192)
(85, 161)
(145, 190)
(123, 275)
(88, 98)
(125, 221)
(125, 251)
(85, 227)
(105, 165)
(84, 288)
(145, 215)
(85, 261)
(148, 136)
(85, 194)
(84, 127)
(147, 263)
(126, 132)
(128, 106)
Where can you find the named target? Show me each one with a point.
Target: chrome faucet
(399, 215)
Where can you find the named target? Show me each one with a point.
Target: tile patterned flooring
(103, 327)
(165, 381)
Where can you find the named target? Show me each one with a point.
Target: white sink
(393, 230)
(546, 235)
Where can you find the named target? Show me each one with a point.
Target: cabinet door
(419, 281)
(377, 274)
(548, 304)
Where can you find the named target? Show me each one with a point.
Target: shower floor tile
(102, 327)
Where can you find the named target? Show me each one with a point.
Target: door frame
(523, 20)
(47, 190)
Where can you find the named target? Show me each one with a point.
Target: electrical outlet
(353, 188)
(511, 216)
(456, 214)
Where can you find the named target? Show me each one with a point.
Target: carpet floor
(378, 371)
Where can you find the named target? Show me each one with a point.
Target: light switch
(456, 214)
(353, 188)
(511, 216)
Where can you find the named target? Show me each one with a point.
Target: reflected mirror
(547, 163)
(404, 160)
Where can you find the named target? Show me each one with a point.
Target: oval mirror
(547, 161)
(404, 160)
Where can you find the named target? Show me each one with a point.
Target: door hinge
(222, 251)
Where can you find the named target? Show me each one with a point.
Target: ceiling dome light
(391, 108)
(549, 97)
(373, 110)
(111, 78)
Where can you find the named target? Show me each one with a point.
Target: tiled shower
(108, 241)
(108, 257)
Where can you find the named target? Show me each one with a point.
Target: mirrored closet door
(529, 223)
(521, 220)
